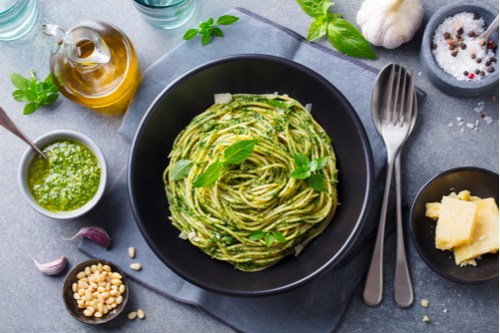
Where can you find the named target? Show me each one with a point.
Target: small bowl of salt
(452, 56)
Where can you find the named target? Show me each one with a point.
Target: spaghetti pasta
(257, 195)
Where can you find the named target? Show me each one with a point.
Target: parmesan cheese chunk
(485, 236)
(432, 210)
(456, 223)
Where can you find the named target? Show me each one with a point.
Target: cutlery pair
(394, 111)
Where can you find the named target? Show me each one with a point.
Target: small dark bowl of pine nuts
(95, 291)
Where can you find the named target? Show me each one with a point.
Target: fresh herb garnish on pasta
(305, 168)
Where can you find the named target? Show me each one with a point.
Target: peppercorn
(466, 73)
(487, 63)
(463, 46)
(446, 35)
(490, 69)
(473, 56)
(482, 43)
(493, 59)
(476, 35)
(478, 60)
(454, 54)
(458, 37)
(476, 17)
(471, 76)
(451, 47)
(471, 33)
(476, 71)
(456, 50)
(481, 73)
(493, 46)
(460, 31)
(434, 46)
(482, 115)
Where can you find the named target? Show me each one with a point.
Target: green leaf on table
(301, 160)
(317, 29)
(226, 20)
(181, 169)
(206, 38)
(256, 235)
(210, 21)
(210, 175)
(190, 34)
(269, 239)
(30, 95)
(217, 32)
(19, 82)
(317, 182)
(29, 108)
(279, 236)
(19, 96)
(313, 8)
(239, 151)
(326, 7)
(50, 99)
(348, 40)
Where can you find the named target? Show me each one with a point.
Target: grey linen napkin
(319, 305)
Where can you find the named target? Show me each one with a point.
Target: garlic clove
(52, 268)
(94, 233)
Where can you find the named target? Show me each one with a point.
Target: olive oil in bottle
(94, 64)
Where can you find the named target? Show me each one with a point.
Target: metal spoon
(403, 291)
(6, 122)
(490, 29)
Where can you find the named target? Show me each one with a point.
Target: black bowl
(192, 94)
(479, 182)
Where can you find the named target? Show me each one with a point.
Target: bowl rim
(90, 262)
(366, 202)
(30, 153)
(412, 231)
(431, 26)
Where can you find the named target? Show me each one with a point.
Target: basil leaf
(190, 34)
(226, 20)
(326, 7)
(217, 32)
(269, 239)
(18, 95)
(279, 237)
(208, 177)
(301, 160)
(239, 151)
(256, 235)
(319, 163)
(181, 169)
(50, 99)
(19, 82)
(317, 29)
(300, 173)
(317, 182)
(48, 80)
(210, 21)
(348, 40)
(29, 108)
(34, 85)
(206, 38)
(30, 95)
(312, 8)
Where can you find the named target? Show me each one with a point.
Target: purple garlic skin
(94, 233)
(52, 268)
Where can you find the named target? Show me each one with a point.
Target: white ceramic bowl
(30, 153)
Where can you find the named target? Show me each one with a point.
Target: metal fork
(394, 122)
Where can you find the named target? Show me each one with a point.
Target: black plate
(479, 182)
(192, 94)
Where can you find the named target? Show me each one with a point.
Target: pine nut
(136, 266)
(112, 292)
(105, 294)
(92, 279)
(93, 284)
(100, 307)
(119, 300)
(110, 300)
(140, 314)
(116, 276)
(114, 305)
(132, 315)
(104, 309)
(89, 295)
(131, 252)
(98, 314)
(84, 280)
(82, 306)
(81, 275)
(87, 313)
(76, 296)
(99, 267)
(81, 292)
(122, 288)
(87, 271)
(102, 284)
(106, 268)
(83, 285)
(93, 268)
(91, 289)
(75, 287)
(113, 287)
(83, 298)
(95, 294)
(102, 277)
(108, 306)
(108, 286)
(91, 309)
(100, 298)
(101, 289)
(93, 305)
(108, 278)
(116, 282)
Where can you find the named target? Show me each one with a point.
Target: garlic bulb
(390, 23)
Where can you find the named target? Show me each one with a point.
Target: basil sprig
(33, 91)
(234, 154)
(207, 29)
(181, 169)
(305, 169)
(269, 237)
(342, 35)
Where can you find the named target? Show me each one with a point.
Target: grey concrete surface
(32, 302)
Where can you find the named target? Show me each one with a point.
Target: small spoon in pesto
(6, 122)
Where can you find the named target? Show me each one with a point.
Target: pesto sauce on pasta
(257, 194)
